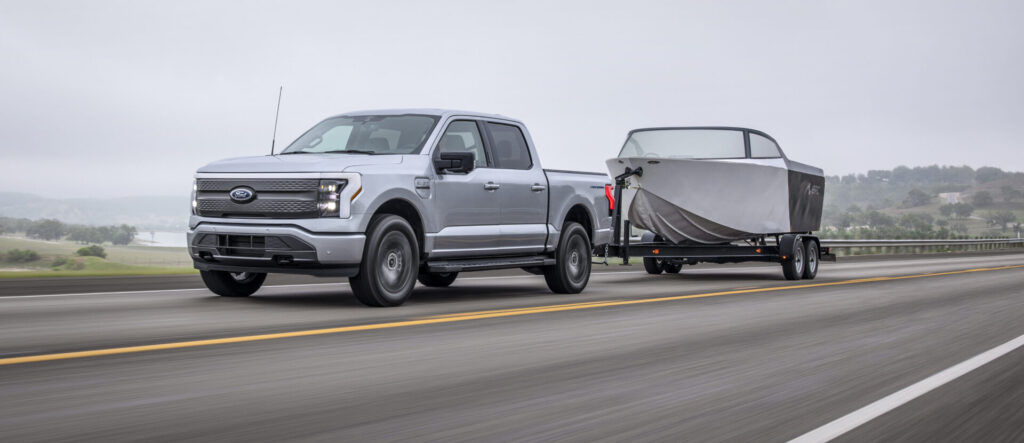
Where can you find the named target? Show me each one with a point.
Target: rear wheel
(571, 271)
(437, 279)
(232, 284)
(793, 266)
(811, 257)
(388, 271)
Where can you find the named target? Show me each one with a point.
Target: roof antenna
(273, 139)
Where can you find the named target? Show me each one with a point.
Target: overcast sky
(129, 98)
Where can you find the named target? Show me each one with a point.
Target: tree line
(926, 175)
(50, 229)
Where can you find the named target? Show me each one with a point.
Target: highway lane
(753, 365)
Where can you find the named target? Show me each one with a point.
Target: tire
(793, 266)
(811, 259)
(652, 266)
(437, 279)
(387, 273)
(232, 284)
(571, 271)
(671, 268)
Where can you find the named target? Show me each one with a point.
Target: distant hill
(907, 197)
(158, 213)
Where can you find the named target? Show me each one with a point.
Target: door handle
(491, 186)
(537, 187)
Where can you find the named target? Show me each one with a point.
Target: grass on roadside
(59, 259)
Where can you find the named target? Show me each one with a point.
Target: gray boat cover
(719, 201)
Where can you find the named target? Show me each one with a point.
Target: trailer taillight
(611, 197)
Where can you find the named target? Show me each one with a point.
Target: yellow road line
(459, 318)
(512, 310)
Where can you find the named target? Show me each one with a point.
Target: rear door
(523, 198)
(466, 205)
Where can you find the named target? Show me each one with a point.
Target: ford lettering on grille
(242, 195)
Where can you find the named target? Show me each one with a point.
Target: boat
(716, 185)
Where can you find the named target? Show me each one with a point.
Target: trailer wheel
(437, 279)
(671, 268)
(387, 273)
(793, 250)
(652, 266)
(232, 284)
(811, 257)
(571, 271)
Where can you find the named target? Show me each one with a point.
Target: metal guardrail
(899, 243)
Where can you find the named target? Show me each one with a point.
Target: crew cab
(390, 197)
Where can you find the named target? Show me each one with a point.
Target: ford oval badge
(242, 195)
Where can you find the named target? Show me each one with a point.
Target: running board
(483, 264)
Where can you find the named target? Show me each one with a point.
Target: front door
(466, 205)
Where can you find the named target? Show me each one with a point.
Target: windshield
(685, 143)
(370, 134)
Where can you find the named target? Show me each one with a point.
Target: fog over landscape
(128, 99)
(653, 267)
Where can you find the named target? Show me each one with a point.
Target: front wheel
(793, 266)
(571, 271)
(232, 284)
(655, 266)
(671, 268)
(652, 265)
(390, 263)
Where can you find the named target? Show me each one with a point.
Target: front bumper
(274, 249)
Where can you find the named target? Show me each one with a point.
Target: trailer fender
(787, 243)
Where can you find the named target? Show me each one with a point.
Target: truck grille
(271, 185)
(274, 198)
(258, 246)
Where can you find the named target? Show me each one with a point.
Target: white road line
(863, 415)
(303, 285)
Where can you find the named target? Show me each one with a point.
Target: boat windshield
(367, 134)
(685, 143)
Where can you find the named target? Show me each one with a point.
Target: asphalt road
(723, 353)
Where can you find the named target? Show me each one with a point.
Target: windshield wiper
(336, 151)
(349, 151)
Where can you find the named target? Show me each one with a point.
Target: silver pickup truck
(387, 198)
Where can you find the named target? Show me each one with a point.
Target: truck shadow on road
(342, 297)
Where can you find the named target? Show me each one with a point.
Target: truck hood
(299, 163)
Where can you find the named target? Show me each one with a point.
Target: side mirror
(455, 162)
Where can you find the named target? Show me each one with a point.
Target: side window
(510, 150)
(464, 136)
(762, 147)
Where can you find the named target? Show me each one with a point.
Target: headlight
(329, 197)
(195, 189)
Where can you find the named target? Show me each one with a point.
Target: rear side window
(762, 147)
(509, 149)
